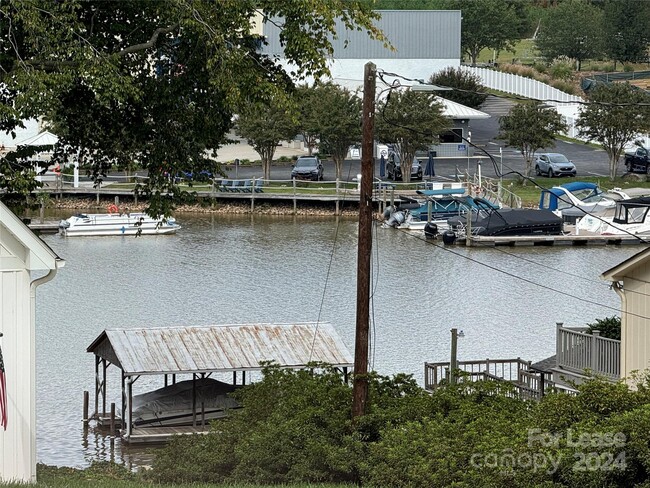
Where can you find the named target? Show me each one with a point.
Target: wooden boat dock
(570, 238)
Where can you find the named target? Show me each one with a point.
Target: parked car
(394, 169)
(307, 168)
(553, 164)
(638, 161)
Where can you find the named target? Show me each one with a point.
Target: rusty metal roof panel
(223, 347)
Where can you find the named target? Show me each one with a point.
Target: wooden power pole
(360, 386)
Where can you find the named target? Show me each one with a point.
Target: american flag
(3, 393)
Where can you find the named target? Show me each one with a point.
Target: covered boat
(173, 405)
(117, 224)
(508, 222)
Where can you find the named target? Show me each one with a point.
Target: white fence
(520, 85)
(566, 104)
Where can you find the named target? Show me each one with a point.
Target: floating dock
(559, 240)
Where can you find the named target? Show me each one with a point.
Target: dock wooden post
(253, 195)
(295, 202)
(117, 200)
(85, 407)
(112, 424)
(337, 210)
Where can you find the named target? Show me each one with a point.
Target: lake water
(235, 270)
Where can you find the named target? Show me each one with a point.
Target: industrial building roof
(220, 348)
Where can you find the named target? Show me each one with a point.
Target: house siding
(635, 329)
(17, 349)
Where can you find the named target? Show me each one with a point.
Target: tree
(411, 121)
(626, 30)
(155, 82)
(574, 28)
(306, 99)
(469, 90)
(616, 114)
(336, 113)
(529, 127)
(489, 24)
(264, 126)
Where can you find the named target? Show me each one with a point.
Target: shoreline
(230, 208)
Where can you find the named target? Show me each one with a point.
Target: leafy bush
(469, 90)
(609, 327)
(628, 68)
(562, 68)
(296, 426)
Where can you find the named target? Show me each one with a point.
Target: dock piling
(85, 407)
(112, 422)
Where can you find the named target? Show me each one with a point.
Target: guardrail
(505, 369)
(579, 352)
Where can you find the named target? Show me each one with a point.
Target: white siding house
(631, 280)
(21, 253)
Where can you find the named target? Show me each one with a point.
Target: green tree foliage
(468, 88)
(155, 82)
(264, 126)
(573, 28)
(296, 427)
(615, 115)
(306, 100)
(335, 113)
(626, 30)
(529, 127)
(491, 24)
(411, 121)
(609, 327)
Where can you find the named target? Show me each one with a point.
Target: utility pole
(360, 386)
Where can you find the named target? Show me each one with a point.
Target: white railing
(519, 85)
(579, 352)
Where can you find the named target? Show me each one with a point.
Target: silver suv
(553, 164)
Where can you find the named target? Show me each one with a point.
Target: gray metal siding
(221, 347)
(415, 34)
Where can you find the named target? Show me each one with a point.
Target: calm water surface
(235, 270)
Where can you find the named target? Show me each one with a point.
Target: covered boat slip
(200, 351)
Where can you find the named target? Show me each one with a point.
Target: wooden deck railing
(506, 369)
(577, 351)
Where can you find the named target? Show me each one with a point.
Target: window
(454, 136)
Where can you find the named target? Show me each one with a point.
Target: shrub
(470, 91)
(562, 68)
(628, 68)
(609, 327)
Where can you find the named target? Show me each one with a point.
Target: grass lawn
(524, 51)
(113, 476)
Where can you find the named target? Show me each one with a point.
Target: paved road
(588, 160)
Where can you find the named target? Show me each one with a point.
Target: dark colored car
(638, 161)
(307, 168)
(394, 170)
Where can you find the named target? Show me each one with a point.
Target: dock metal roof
(220, 348)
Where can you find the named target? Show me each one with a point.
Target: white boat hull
(84, 225)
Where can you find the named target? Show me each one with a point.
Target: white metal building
(21, 254)
(425, 42)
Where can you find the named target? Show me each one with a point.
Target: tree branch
(150, 43)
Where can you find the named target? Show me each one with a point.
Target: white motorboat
(631, 217)
(117, 224)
